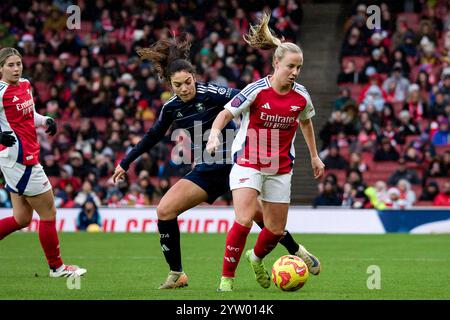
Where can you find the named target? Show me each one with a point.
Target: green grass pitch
(131, 266)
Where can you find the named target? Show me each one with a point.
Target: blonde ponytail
(260, 36)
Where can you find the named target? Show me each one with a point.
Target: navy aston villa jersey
(196, 117)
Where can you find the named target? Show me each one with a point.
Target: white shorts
(26, 180)
(271, 187)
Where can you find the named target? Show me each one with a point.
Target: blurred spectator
(135, 197)
(435, 169)
(376, 41)
(406, 127)
(88, 215)
(423, 81)
(407, 195)
(343, 99)
(50, 166)
(329, 196)
(417, 108)
(430, 191)
(381, 191)
(438, 105)
(353, 46)
(80, 167)
(87, 193)
(397, 84)
(215, 78)
(334, 125)
(376, 62)
(349, 74)
(68, 178)
(348, 196)
(399, 60)
(367, 136)
(5, 201)
(412, 155)
(402, 172)
(372, 94)
(55, 22)
(407, 44)
(357, 163)
(162, 187)
(446, 162)
(377, 195)
(442, 136)
(146, 186)
(394, 201)
(113, 197)
(356, 195)
(426, 31)
(64, 197)
(331, 177)
(334, 160)
(385, 151)
(443, 198)
(427, 54)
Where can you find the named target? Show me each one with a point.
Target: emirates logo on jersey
(26, 107)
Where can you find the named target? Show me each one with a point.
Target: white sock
(61, 268)
(254, 257)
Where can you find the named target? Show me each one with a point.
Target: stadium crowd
(386, 144)
(105, 98)
(387, 141)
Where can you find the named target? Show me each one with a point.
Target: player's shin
(50, 243)
(286, 240)
(170, 243)
(235, 243)
(266, 242)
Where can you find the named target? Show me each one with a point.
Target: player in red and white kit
(271, 111)
(25, 178)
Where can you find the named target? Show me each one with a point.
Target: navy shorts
(216, 182)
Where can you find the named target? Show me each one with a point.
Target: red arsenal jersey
(269, 121)
(17, 114)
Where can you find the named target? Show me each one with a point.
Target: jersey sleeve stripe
(252, 85)
(250, 90)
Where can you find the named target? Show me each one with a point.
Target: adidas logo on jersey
(15, 99)
(179, 115)
(266, 106)
(294, 108)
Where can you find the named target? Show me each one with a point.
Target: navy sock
(170, 243)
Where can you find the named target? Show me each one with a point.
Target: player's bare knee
(48, 214)
(276, 230)
(23, 222)
(164, 212)
(245, 220)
